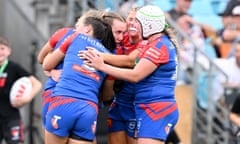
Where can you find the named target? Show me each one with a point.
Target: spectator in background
(181, 9)
(125, 6)
(219, 42)
(233, 29)
(230, 31)
(198, 32)
(232, 71)
(231, 67)
(11, 128)
(223, 45)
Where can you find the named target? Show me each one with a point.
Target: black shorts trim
(79, 138)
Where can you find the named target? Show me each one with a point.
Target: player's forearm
(119, 60)
(120, 73)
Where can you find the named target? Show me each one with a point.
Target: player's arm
(107, 90)
(116, 60)
(52, 60)
(36, 86)
(47, 48)
(140, 71)
(121, 60)
(149, 61)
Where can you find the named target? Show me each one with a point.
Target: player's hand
(93, 59)
(55, 74)
(20, 101)
(81, 54)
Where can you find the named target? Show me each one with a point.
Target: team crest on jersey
(132, 125)
(54, 121)
(168, 128)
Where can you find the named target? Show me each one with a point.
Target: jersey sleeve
(57, 36)
(158, 54)
(67, 42)
(109, 77)
(142, 44)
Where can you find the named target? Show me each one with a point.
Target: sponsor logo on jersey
(86, 71)
(94, 127)
(54, 121)
(168, 128)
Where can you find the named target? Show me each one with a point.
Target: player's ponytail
(108, 38)
(170, 33)
(102, 31)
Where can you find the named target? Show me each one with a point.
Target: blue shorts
(71, 117)
(121, 118)
(156, 120)
(46, 98)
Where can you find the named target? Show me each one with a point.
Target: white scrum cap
(152, 19)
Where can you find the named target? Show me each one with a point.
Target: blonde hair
(134, 9)
(90, 13)
(108, 17)
(105, 16)
(170, 33)
(93, 13)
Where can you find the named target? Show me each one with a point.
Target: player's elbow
(46, 66)
(37, 85)
(39, 60)
(135, 78)
(130, 64)
(131, 61)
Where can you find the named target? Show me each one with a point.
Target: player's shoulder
(62, 31)
(143, 42)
